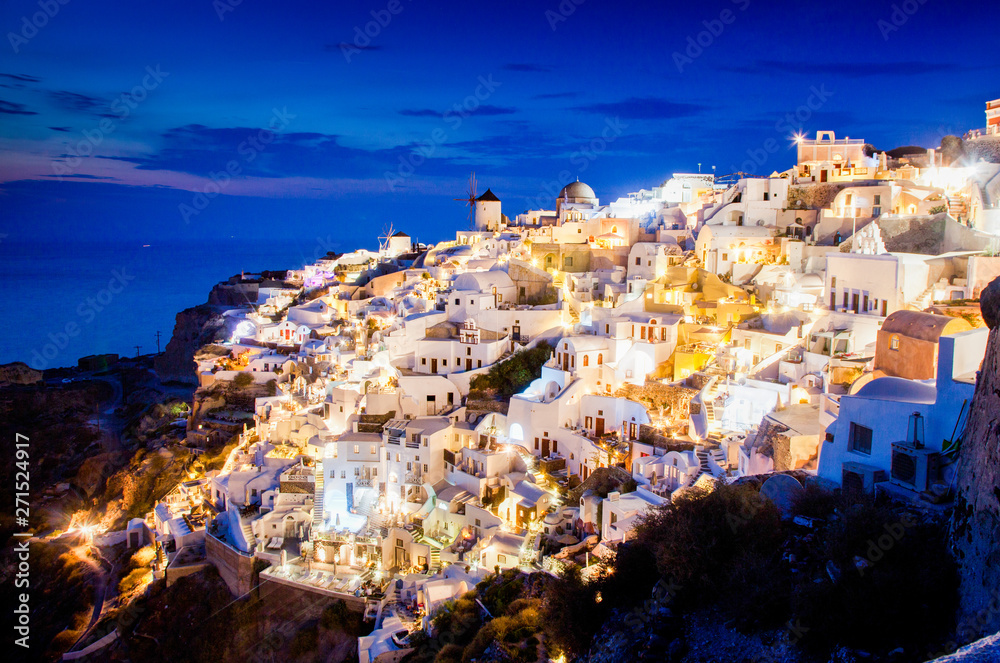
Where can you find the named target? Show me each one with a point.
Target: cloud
(484, 110)
(60, 128)
(557, 95)
(14, 108)
(420, 112)
(81, 103)
(846, 69)
(644, 108)
(199, 150)
(526, 67)
(21, 78)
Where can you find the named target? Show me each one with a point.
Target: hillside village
(519, 396)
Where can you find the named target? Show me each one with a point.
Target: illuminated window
(894, 343)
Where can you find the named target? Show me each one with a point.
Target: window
(876, 211)
(878, 199)
(829, 436)
(423, 361)
(480, 362)
(568, 261)
(638, 261)
(458, 302)
(600, 358)
(343, 474)
(861, 439)
(586, 361)
(501, 559)
(894, 343)
(357, 448)
(373, 450)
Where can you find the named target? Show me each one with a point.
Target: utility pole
(137, 350)
(157, 342)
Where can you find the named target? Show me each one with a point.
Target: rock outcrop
(194, 327)
(18, 373)
(975, 527)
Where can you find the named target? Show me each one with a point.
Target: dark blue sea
(67, 300)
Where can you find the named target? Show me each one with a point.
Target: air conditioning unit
(912, 467)
(860, 478)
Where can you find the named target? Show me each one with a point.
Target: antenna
(470, 199)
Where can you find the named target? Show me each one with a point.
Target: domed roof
(576, 190)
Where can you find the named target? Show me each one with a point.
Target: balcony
(414, 478)
(363, 482)
(829, 409)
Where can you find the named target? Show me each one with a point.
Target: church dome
(576, 190)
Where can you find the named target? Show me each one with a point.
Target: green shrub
(243, 380)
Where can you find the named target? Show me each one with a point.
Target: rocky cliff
(193, 328)
(975, 527)
(18, 373)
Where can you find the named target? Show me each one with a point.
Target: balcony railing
(414, 479)
(363, 482)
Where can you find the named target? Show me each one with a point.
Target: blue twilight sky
(117, 118)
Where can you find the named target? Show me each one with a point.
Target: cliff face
(194, 327)
(975, 527)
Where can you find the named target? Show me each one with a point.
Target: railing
(414, 479)
(363, 482)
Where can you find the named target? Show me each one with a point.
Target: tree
(243, 380)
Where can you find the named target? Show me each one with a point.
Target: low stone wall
(235, 567)
(173, 574)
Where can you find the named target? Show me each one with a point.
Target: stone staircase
(532, 465)
(702, 454)
(376, 520)
(248, 533)
(719, 456)
(714, 427)
(926, 298)
(435, 563)
(957, 207)
(318, 499)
